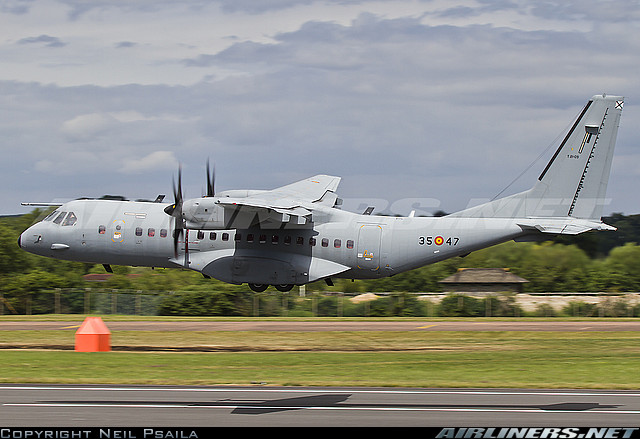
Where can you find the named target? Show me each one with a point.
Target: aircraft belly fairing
(254, 267)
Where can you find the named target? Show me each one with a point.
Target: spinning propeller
(175, 210)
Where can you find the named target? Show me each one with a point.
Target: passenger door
(368, 249)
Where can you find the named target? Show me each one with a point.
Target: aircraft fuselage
(344, 245)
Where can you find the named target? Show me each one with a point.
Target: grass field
(409, 359)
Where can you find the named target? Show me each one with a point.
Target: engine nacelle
(203, 213)
(238, 193)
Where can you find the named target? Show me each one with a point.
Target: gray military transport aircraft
(297, 233)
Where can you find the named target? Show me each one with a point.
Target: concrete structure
(483, 281)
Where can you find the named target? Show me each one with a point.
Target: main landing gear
(259, 288)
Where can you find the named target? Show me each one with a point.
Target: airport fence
(297, 303)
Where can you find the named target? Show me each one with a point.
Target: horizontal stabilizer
(567, 226)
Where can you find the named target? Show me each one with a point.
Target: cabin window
(299, 240)
(200, 235)
(312, 242)
(238, 237)
(102, 230)
(337, 243)
(212, 236)
(163, 233)
(250, 237)
(263, 239)
(325, 242)
(138, 231)
(225, 236)
(287, 240)
(151, 232)
(349, 243)
(59, 218)
(274, 239)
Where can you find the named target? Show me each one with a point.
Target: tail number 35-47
(438, 240)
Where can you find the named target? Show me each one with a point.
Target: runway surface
(141, 406)
(301, 326)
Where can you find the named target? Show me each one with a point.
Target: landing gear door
(368, 251)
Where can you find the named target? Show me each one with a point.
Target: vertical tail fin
(578, 173)
(574, 182)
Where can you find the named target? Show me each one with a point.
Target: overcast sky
(415, 104)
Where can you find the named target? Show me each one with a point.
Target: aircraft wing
(312, 189)
(292, 202)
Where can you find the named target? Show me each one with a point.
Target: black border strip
(584, 110)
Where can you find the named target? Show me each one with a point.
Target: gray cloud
(125, 44)
(18, 7)
(592, 10)
(79, 7)
(403, 108)
(47, 40)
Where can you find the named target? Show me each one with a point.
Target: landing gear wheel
(284, 288)
(258, 288)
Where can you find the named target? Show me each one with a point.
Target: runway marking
(70, 327)
(284, 408)
(426, 326)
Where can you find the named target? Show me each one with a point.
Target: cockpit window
(70, 219)
(50, 216)
(59, 218)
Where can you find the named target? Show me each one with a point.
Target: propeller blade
(177, 192)
(211, 180)
(177, 197)
(177, 231)
(186, 249)
(175, 211)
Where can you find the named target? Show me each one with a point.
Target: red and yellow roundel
(439, 240)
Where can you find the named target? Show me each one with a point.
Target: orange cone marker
(93, 336)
